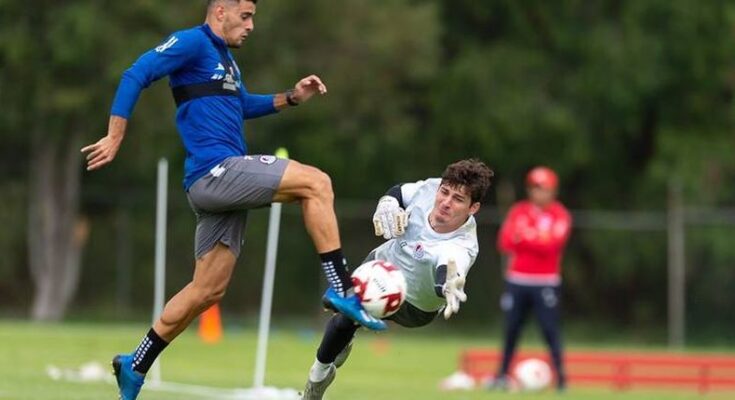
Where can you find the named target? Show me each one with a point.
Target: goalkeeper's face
(452, 206)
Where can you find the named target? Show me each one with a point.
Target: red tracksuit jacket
(534, 238)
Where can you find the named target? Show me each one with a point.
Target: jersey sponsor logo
(230, 80)
(230, 83)
(167, 44)
(267, 160)
(419, 252)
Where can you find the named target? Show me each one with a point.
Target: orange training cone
(210, 325)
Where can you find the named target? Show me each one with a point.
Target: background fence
(621, 268)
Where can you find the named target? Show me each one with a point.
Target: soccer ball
(380, 286)
(533, 374)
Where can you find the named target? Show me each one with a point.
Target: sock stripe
(335, 269)
(332, 275)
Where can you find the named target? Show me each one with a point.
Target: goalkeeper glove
(452, 289)
(390, 219)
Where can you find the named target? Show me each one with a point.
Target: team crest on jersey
(419, 252)
(267, 160)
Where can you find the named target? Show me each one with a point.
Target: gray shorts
(408, 316)
(221, 199)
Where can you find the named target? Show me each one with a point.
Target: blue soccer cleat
(351, 307)
(128, 381)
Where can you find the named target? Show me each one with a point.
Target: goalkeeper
(431, 236)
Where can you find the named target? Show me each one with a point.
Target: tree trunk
(55, 231)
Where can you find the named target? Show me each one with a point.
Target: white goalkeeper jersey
(420, 250)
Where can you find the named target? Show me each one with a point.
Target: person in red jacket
(533, 237)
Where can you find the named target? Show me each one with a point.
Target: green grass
(399, 365)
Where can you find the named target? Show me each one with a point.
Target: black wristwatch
(289, 98)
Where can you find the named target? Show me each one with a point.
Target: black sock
(339, 333)
(335, 268)
(148, 350)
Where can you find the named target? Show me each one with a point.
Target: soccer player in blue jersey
(221, 180)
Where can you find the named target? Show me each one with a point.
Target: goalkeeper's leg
(332, 353)
(338, 335)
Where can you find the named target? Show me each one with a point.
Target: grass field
(398, 365)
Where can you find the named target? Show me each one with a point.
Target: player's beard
(235, 43)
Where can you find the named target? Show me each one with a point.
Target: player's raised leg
(313, 189)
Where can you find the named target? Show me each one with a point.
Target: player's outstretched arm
(302, 91)
(104, 151)
(306, 88)
(449, 283)
(390, 218)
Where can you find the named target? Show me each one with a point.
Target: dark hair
(211, 2)
(472, 174)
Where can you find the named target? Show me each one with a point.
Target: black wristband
(440, 278)
(290, 100)
(396, 192)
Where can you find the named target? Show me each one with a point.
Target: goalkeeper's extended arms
(449, 283)
(390, 218)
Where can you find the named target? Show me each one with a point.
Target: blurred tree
(53, 55)
(618, 96)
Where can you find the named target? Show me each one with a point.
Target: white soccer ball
(533, 374)
(458, 381)
(380, 286)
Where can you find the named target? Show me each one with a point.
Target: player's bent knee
(321, 185)
(206, 297)
(208, 301)
(302, 181)
(215, 297)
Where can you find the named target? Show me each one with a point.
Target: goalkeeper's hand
(453, 289)
(390, 219)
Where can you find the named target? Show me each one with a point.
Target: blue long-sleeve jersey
(211, 127)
